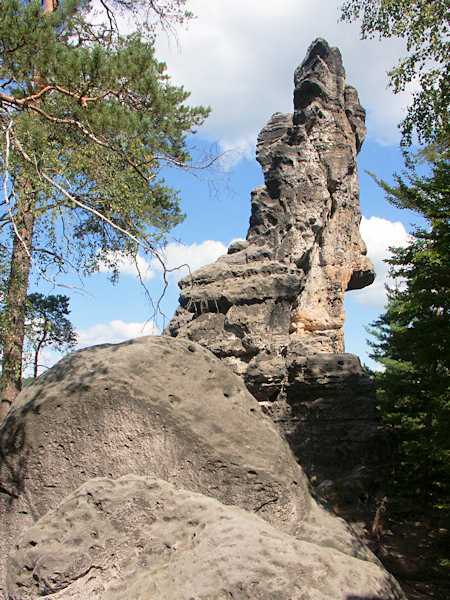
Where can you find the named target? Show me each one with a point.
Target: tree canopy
(412, 339)
(424, 24)
(89, 121)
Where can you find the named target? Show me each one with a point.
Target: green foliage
(47, 325)
(412, 336)
(424, 24)
(89, 120)
(413, 339)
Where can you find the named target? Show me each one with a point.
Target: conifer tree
(412, 336)
(412, 340)
(89, 121)
(47, 326)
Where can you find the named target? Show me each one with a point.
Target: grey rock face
(276, 300)
(167, 409)
(153, 407)
(142, 537)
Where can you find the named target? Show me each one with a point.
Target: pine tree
(47, 326)
(89, 121)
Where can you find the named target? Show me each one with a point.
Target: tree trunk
(16, 297)
(50, 5)
(36, 355)
(15, 310)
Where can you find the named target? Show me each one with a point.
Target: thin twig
(142, 243)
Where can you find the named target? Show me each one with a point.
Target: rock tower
(272, 308)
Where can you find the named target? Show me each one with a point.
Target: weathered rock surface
(273, 307)
(303, 247)
(160, 407)
(141, 537)
(331, 413)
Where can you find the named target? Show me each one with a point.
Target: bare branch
(111, 18)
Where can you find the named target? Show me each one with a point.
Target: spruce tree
(412, 340)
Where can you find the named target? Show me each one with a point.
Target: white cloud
(175, 256)
(379, 235)
(114, 332)
(127, 266)
(235, 150)
(239, 58)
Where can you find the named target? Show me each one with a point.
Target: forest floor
(414, 545)
(415, 548)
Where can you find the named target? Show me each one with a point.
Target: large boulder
(163, 408)
(142, 537)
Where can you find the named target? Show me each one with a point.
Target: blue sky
(239, 57)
